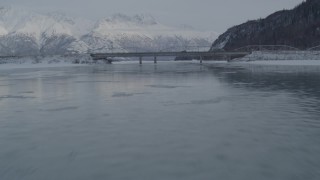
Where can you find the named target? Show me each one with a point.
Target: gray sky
(216, 15)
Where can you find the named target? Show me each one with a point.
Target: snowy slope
(143, 32)
(24, 32)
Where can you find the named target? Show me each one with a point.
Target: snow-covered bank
(281, 55)
(40, 65)
(280, 58)
(282, 62)
(47, 61)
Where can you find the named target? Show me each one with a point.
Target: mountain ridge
(24, 32)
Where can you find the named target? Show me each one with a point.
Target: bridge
(198, 52)
(155, 55)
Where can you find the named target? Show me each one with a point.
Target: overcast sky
(215, 15)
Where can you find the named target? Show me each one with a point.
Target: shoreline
(37, 65)
(282, 62)
(297, 63)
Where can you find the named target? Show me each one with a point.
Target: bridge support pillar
(228, 58)
(155, 59)
(140, 60)
(200, 59)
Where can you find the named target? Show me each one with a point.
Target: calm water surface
(171, 121)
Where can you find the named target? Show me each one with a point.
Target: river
(170, 121)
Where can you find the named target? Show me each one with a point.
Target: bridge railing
(186, 48)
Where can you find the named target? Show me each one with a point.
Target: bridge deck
(157, 54)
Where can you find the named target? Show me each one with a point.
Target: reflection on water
(63, 108)
(14, 97)
(303, 86)
(165, 121)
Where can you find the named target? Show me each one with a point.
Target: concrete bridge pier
(155, 59)
(140, 60)
(200, 59)
(229, 58)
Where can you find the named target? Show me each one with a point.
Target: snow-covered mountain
(24, 32)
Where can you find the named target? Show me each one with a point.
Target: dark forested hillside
(299, 27)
